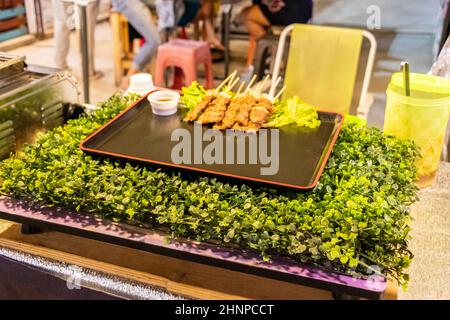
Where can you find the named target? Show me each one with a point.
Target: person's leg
(140, 18)
(257, 25)
(191, 10)
(207, 13)
(61, 33)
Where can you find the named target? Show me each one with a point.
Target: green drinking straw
(405, 70)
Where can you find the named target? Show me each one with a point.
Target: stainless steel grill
(10, 67)
(32, 99)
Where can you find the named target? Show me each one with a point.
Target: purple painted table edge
(280, 268)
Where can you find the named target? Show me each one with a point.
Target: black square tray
(137, 134)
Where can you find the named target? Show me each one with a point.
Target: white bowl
(141, 84)
(164, 102)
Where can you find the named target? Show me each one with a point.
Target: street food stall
(246, 190)
(102, 200)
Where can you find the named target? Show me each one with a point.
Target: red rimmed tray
(137, 134)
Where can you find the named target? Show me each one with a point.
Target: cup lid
(423, 83)
(140, 82)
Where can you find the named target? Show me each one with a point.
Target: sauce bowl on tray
(164, 102)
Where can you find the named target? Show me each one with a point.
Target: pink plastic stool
(186, 55)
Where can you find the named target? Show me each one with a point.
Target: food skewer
(233, 84)
(250, 83)
(231, 81)
(248, 110)
(209, 98)
(272, 90)
(228, 79)
(240, 88)
(279, 93)
(261, 85)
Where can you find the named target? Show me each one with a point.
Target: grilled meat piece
(215, 112)
(231, 113)
(211, 117)
(246, 105)
(266, 103)
(195, 113)
(244, 113)
(238, 127)
(259, 115)
(250, 128)
(253, 127)
(220, 126)
(230, 117)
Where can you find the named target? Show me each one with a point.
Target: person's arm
(442, 65)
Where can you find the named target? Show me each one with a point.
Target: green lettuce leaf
(192, 95)
(294, 111)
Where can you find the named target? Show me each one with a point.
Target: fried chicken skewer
(230, 78)
(215, 112)
(247, 111)
(280, 93)
(195, 113)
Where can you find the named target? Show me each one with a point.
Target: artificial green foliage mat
(355, 221)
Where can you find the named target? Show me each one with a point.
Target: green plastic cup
(422, 117)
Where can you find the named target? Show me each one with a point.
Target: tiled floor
(42, 53)
(408, 33)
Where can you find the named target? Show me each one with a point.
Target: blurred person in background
(202, 10)
(265, 13)
(191, 11)
(64, 13)
(207, 13)
(139, 16)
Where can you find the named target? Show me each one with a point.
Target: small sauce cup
(164, 102)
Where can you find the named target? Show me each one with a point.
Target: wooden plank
(17, 42)
(123, 57)
(115, 26)
(13, 33)
(391, 292)
(10, 3)
(12, 23)
(177, 276)
(11, 12)
(4, 225)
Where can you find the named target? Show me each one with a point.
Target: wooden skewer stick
(262, 84)
(279, 93)
(232, 78)
(224, 82)
(275, 86)
(241, 87)
(250, 83)
(258, 87)
(233, 84)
